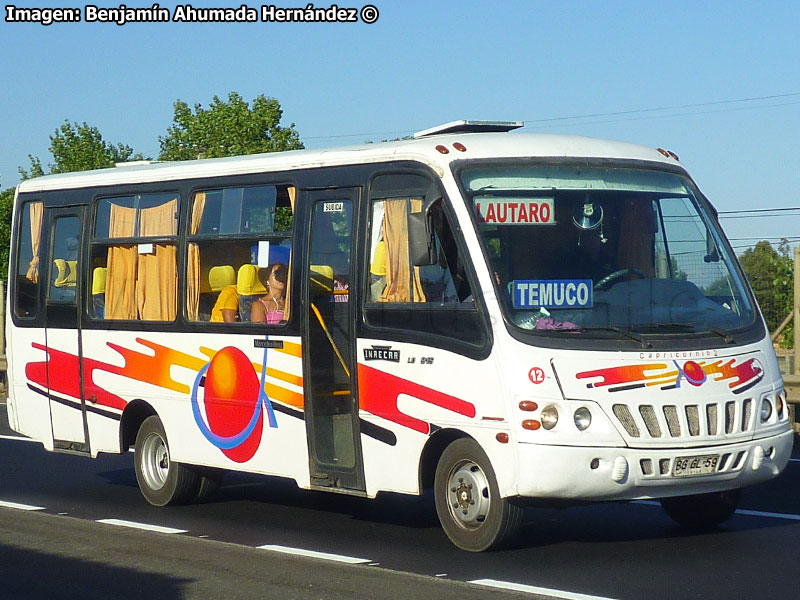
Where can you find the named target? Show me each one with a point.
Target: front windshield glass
(611, 250)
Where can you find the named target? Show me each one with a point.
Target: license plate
(687, 466)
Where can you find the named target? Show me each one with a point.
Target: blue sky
(425, 63)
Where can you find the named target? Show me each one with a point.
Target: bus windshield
(605, 251)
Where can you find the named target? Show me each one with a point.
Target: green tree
(80, 147)
(770, 273)
(227, 129)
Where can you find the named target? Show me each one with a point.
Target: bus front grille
(687, 421)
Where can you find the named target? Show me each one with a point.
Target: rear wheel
(468, 502)
(161, 480)
(702, 512)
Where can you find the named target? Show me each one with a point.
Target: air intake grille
(686, 421)
(626, 419)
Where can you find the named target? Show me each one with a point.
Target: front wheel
(702, 512)
(468, 502)
(161, 480)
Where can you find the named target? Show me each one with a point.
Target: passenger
(270, 308)
(226, 308)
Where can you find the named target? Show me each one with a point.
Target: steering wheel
(607, 281)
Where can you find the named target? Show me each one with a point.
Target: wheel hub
(155, 461)
(468, 495)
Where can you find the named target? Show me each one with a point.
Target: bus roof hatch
(464, 126)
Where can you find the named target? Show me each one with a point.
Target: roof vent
(134, 163)
(470, 127)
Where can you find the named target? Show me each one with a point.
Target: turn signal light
(460, 147)
(442, 149)
(528, 405)
(502, 437)
(531, 424)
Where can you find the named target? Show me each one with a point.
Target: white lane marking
(145, 526)
(16, 438)
(532, 589)
(20, 506)
(311, 553)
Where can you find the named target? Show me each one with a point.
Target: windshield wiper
(623, 332)
(695, 327)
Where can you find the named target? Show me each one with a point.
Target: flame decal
(742, 376)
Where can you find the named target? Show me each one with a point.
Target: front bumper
(591, 473)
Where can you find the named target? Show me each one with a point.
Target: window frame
(251, 237)
(480, 349)
(22, 205)
(95, 242)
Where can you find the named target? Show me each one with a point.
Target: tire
(703, 512)
(468, 502)
(161, 480)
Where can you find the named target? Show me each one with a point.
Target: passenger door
(332, 416)
(63, 226)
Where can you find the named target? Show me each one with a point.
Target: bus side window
(134, 258)
(433, 299)
(392, 277)
(26, 299)
(234, 234)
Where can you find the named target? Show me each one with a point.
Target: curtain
(121, 265)
(36, 214)
(157, 275)
(395, 234)
(193, 256)
(286, 294)
(400, 278)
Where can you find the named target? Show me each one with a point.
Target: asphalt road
(66, 531)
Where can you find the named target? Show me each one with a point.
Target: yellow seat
(221, 277)
(66, 272)
(321, 278)
(249, 287)
(99, 280)
(248, 283)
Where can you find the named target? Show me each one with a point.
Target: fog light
(583, 418)
(549, 417)
(766, 410)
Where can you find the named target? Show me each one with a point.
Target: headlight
(549, 417)
(766, 410)
(583, 418)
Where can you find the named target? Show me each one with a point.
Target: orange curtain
(287, 303)
(121, 265)
(36, 214)
(157, 275)
(395, 234)
(399, 276)
(193, 257)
